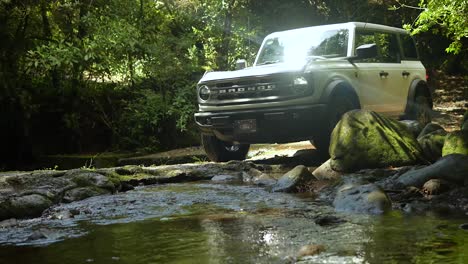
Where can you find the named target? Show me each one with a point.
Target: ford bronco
(304, 80)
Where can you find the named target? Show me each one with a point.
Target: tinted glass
(387, 45)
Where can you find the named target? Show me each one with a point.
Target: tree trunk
(223, 51)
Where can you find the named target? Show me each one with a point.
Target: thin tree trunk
(223, 59)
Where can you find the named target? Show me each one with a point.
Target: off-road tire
(422, 110)
(337, 107)
(221, 151)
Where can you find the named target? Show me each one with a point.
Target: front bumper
(273, 125)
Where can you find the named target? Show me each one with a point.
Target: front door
(381, 80)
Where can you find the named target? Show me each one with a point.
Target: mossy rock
(364, 139)
(432, 144)
(26, 206)
(456, 143)
(429, 128)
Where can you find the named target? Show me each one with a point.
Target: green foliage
(95, 75)
(446, 17)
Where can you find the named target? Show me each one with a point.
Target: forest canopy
(103, 75)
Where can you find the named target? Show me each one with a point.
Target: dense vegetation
(104, 75)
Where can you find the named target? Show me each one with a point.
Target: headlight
(204, 93)
(300, 85)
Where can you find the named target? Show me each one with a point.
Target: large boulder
(452, 168)
(432, 144)
(456, 143)
(364, 139)
(293, 179)
(368, 198)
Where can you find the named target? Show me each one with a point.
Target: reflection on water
(219, 234)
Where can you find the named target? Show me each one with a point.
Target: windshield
(297, 46)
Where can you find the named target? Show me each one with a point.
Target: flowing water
(219, 223)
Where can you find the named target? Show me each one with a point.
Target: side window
(409, 48)
(387, 45)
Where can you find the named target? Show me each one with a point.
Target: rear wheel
(422, 110)
(220, 151)
(338, 106)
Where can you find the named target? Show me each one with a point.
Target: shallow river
(219, 223)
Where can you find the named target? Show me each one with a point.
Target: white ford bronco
(304, 80)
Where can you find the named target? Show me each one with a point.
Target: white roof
(348, 25)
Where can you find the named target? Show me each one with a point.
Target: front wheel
(337, 107)
(221, 151)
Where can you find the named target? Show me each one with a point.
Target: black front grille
(251, 89)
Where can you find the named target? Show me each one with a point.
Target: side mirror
(241, 64)
(366, 51)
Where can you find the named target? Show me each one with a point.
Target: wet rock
(87, 178)
(125, 187)
(464, 226)
(36, 235)
(310, 250)
(82, 193)
(432, 144)
(8, 223)
(364, 139)
(452, 168)
(226, 178)
(367, 198)
(456, 143)
(293, 179)
(429, 128)
(435, 186)
(414, 126)
(325, 172)
(264, 180)
(28, 206)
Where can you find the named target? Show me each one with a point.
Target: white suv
(304, 80)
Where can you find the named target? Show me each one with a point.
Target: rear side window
(387, 45)
(409, 48)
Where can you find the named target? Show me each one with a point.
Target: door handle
(383, 74)
(405, 74)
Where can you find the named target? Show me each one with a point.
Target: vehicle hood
(255, 71)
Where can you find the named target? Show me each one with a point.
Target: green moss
(364, 139)
(133, 177)
(456, 143)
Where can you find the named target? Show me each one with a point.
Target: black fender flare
(339, 86)
(416, 88)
